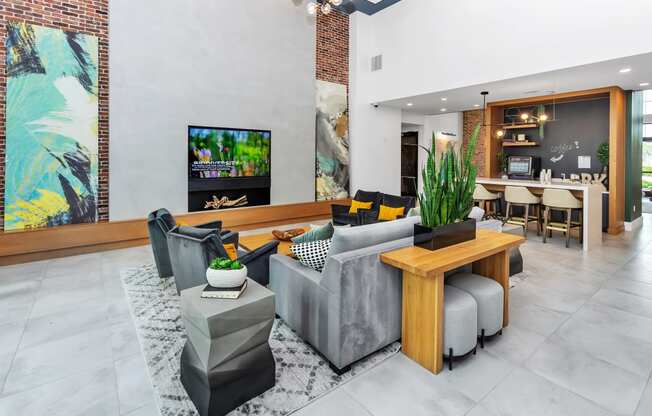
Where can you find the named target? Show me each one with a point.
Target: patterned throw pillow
(312, 254)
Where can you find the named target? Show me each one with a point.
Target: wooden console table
(423, 288)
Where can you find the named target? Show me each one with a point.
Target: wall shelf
(520, 144)
(520, 126)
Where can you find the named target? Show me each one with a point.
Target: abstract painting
(51, 127)
(332, 159)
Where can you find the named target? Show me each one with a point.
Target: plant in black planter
(447, 197)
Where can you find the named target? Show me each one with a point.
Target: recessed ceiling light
(644, 84)
(476, 105)
(625, 70)
(409, 104)
(443, 109)
(444, 99)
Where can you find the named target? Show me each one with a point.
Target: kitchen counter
(591, 198)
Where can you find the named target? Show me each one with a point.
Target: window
(647, 110)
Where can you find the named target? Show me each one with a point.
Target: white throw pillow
(476, 213)
(312, 254)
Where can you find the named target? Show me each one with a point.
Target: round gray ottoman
(489, 295)
(460, 323)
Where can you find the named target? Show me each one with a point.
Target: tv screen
(519, 164)
(228, 153)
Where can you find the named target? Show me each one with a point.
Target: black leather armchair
(340, 213)
(192, 249)
(159, 223)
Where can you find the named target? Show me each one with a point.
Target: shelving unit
(520, 126)
(520, 144)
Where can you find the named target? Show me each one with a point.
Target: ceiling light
(525, 116)
(644, 84)
(409, 104)
(500, 133)
(625, 70)
(312, 8)
(326, 8)
(476, 105)
(444, 99)
(443, 109)
(543, 117)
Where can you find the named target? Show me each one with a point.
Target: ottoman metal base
(229, 384)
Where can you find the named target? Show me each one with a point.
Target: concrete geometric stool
(488, 295)
(460, 323)
(227, 360)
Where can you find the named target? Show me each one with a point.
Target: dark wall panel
(578, 129)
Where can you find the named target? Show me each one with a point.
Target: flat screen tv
(216, 152)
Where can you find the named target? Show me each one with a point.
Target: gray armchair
(353, 307)
(159, 223)
(192, 249)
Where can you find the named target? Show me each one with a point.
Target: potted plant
(226, 273)
(603, 157)
(447, 197)
(503, 162)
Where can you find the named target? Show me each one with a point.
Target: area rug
(302, 375)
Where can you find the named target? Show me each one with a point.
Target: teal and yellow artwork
(51, 161)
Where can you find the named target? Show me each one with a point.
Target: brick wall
(470, 120)
(333, 48)
(84, 16)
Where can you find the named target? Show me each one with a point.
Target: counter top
(535, 184)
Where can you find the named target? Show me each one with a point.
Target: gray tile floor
(579, 343)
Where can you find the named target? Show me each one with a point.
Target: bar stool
(487, 199)
(522, 197)
(561, 200)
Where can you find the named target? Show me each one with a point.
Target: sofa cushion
(347, 239)
(312, 254)
(356, 205)
(389, 213)
(320, 232)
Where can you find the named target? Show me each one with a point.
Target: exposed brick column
(333, 48)
(470, 120)
(83, 16)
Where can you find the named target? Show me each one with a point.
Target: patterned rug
(301, 374)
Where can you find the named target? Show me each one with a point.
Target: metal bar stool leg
(546, 214)
(568, 225)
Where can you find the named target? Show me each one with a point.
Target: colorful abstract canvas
(51, 127)
(332, 168)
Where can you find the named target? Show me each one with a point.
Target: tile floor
(579, 343)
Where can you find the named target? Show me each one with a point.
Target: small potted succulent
(223, 272)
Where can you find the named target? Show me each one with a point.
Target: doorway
(409, 163)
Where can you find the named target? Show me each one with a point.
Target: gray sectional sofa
(353, 307)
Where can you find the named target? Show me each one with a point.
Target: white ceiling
(601, 74)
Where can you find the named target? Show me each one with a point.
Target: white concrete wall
(429, 46)
(246, 64)
(375, 133)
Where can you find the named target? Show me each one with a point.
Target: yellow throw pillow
(231, 251)
(389, 214)
(356, 205)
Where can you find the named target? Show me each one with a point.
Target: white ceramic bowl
(226, 278)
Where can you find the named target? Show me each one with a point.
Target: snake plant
(448, 186)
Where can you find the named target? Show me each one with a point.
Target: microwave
(523, 167)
